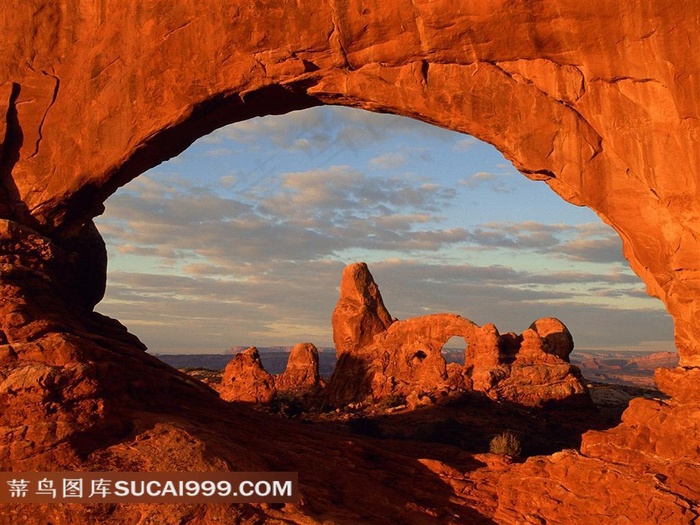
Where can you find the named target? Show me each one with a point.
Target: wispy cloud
(317, 130)
(205, 307)
(302, 216)
(389, 160)
(584, 242)
(276, 255)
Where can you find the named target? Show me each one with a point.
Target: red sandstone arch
(601, 107)
(599, 99)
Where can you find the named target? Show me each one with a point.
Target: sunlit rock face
(405, 357)
(598, 99)
(302, 372)
(360, 313)
(245, 379)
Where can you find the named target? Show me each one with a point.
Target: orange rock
(556, 338)
(360, 313)
(302, 369)
(245, 379)
(536, 372)
(679, 383)
(597, 99)
(567, 488)
(645, 469)
(406, 358)
(571, 106)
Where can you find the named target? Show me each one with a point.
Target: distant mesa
(625, 368)
(381, 357)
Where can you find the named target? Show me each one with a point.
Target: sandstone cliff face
(360, 313)
(598, 99)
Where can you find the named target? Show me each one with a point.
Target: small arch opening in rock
(418, 357)
(454, 350)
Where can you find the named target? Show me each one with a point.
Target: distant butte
(599, 99)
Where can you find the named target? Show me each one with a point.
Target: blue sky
(241, 239)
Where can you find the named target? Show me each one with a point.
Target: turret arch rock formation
(598, 99)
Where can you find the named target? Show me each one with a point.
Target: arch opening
(354, 185)
(86, 98)
(454, 350)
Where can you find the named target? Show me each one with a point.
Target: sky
(241, 240)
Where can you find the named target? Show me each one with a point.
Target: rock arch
(608, 122)
(597, 99)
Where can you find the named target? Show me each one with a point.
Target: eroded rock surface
(245, 379)
(556, 338)
(302, 369)
(405, 359)
(597, 99)
(555, 490)
(360, 313)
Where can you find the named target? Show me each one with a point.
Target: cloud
(345, 192)
(326, 130)
(499, 294)
(606, 249)
(496, 182)
(389, 160)
(282, 132)
(302, 216)
(218, 152)
(201, 269)
(247, 304)
(228, 181)
(206, 311)
(466, 143)
(586, 242)
(478, 179)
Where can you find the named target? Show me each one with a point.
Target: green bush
(506, 444)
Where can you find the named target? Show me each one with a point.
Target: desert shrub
(391, 401)
(287, 405)
(506, 444)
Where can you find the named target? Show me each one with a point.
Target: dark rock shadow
(470, 420)
(345, 477)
